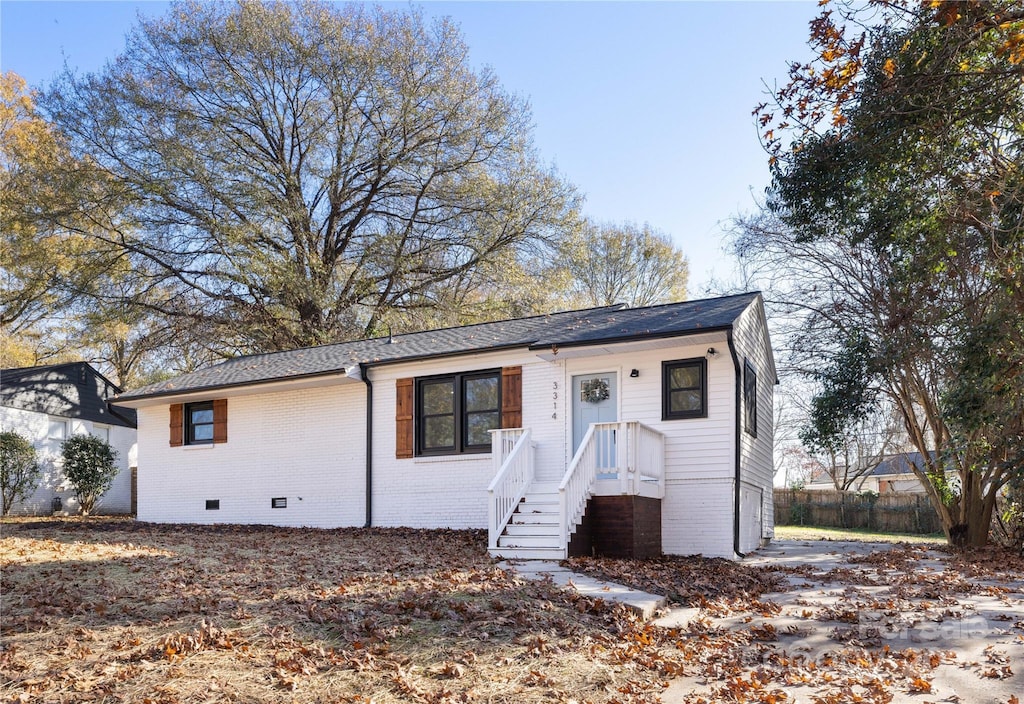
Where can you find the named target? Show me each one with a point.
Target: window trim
(666, 390)
(749, 399)
(190, 427)
(459, 413)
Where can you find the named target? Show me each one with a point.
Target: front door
(595, 400)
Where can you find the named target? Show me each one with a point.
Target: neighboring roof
(898, 464)
(580, 327)
(70, 390)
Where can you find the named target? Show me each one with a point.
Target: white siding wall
(35, 427)
(757, 467)
(696, 514)
(304, 445)
(452, 491)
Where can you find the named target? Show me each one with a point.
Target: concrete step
(528, 541)
(529, 553)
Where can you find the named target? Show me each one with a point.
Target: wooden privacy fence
(887, 513)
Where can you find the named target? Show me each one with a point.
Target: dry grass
(111, 610)
(866, 536)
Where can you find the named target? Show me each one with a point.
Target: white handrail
(577, 485)
(514, 449)
(650, 457)
(628, 451)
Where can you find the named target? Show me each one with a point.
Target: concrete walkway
(642, 603)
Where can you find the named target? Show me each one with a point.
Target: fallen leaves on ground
(120, 611)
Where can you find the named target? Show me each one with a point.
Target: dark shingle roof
(70, 390)
(900, 464)
(580, 327)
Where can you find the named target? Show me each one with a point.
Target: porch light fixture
(634, 373)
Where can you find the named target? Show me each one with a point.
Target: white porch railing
(627, 452)
(513, 453)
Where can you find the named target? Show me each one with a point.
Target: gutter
(363, 369)
(546, 344)
(736, 441)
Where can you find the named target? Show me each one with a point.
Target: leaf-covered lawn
(111, 611)
(120, 611)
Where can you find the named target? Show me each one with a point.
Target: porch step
(528, 541)
(532, 531)
(529, 553)
(550, 528)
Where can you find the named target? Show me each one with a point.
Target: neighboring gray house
(616, 430)
(47, 405)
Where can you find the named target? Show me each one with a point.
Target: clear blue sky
(645, 106)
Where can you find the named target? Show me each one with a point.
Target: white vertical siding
(307, 446)
(35, 427)
(757, 466)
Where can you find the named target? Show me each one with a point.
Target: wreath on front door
(594, 390)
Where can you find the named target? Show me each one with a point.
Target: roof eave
(140, 400)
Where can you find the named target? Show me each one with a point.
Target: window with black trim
(749, 398)
(454, 413)
(199, 423)
(684, 392)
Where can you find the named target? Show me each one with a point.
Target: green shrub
(90, 468)
(19, 468)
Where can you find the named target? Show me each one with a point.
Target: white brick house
(49, 404)
(613, 430)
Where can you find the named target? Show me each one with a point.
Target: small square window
(213, 504)
(684, 389)
(58, 431)
(279, 502)
(199, 423)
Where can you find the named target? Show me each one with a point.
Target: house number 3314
(554, 399)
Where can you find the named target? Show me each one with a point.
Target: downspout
(363, 369)
(736, 442)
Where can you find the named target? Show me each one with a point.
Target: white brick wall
(311, 444)
(307, 446)
(450, 492)
(35, 427)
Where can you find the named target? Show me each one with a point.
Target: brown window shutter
(403, 418)
(220, 420)
(177, 426)
(512, 397)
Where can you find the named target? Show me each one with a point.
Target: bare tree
(631, 264)
(293, 173)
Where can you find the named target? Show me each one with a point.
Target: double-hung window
(455, 412)
(199, 423)
(684, 389)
